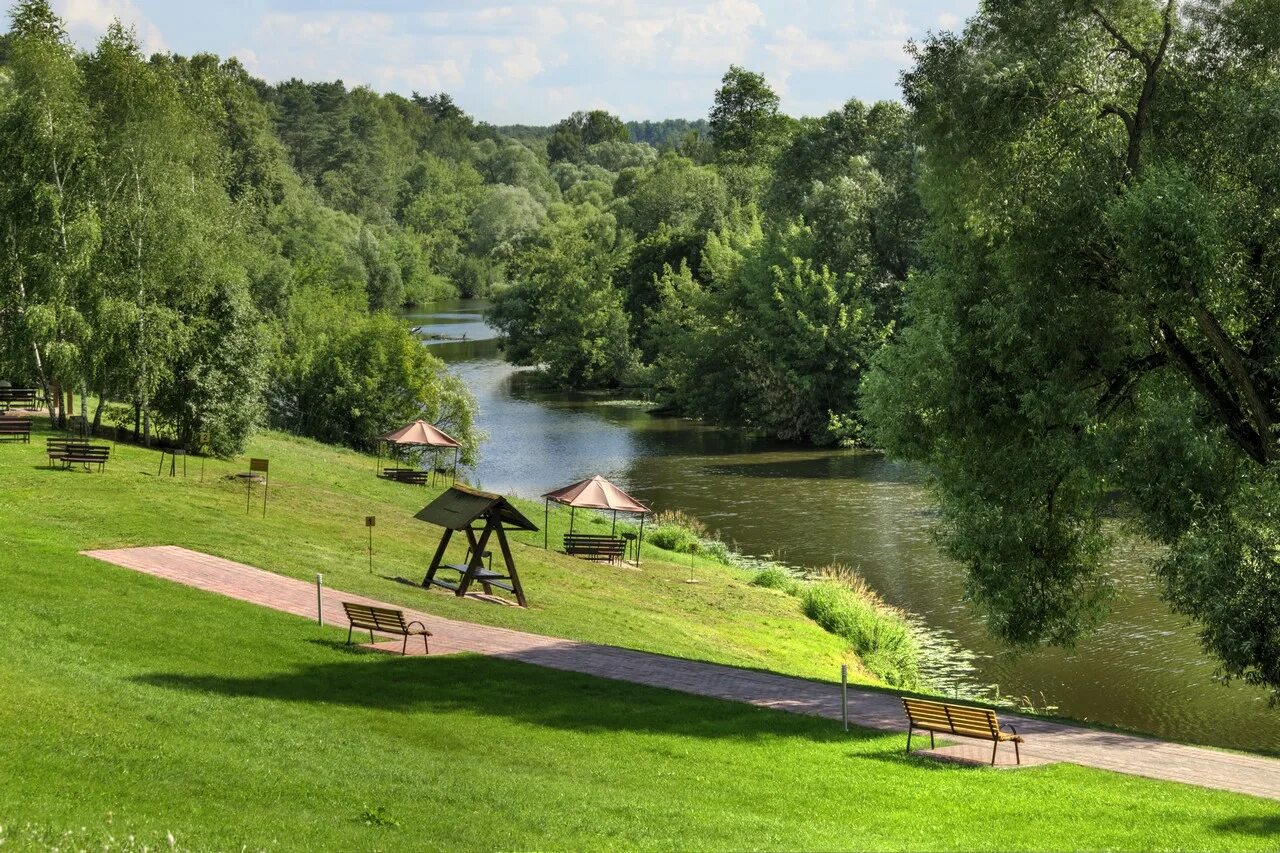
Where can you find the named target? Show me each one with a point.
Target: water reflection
(809, 507)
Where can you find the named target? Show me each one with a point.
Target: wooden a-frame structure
(461, 509)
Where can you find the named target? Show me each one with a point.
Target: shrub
(672, 537)
(880, 636)
(776, 577)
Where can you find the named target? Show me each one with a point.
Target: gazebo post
(640, 543)
(546, 516)
(614, 530)
(457, 452)
(572, 509)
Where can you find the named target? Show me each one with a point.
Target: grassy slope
(136, 707)
(315, 523)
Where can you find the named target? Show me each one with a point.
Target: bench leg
(909, 731)
(426, 645)
(931, 740)
(1017, 754)
(994, 747)
(404, 649)
(349, 630)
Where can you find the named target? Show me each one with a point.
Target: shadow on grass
(478, 685)
(1267, 825)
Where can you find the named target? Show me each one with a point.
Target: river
(1142, 670)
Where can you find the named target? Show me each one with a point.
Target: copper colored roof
(596, 493)
(422, 434)
(459, 506)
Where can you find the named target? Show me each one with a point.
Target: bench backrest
(61, 444)
(376, 618)
(11, 425)
(8, 394)
(587, 539)
(958, 719)
(86, 451)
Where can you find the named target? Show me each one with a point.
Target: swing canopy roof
(597, 493)
(457, 508)
(420, 434)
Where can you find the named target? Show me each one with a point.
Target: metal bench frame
(369, 617)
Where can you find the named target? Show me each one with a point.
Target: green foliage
(776, 577)
(1096, 334)
(882, 639)
(345, 377)
(745, 123)
(574, 136)
(562, 311)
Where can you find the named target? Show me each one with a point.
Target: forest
(1050, 276)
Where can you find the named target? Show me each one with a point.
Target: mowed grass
(318, 501)
(137, 710)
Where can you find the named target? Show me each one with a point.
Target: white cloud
(948, 21)
(87, 20)
(674, 37)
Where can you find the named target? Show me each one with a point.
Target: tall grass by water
(842, 603)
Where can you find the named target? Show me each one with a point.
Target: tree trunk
(97, 412)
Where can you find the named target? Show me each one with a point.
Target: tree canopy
(1095, 337)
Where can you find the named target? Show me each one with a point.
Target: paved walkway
(1047, 742)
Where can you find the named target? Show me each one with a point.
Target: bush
(671, 537)
(881, 637)
(776, 577)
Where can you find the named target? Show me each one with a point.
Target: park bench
(369, 618)
(76, 452)
(416, 476)
(17, 398)
(598, 548)
(959, 720)
(15, 429)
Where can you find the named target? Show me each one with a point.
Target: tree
(1097, 334)
(746, 126)
(50, 226)
(571, 137)
(345, 376)
(563, 311)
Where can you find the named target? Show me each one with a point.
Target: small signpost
(369, 522)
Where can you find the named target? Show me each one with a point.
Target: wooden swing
(471, 511)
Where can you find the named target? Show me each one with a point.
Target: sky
(536, 61)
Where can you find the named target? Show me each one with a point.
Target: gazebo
(595, 493)
(420, 434)
(459, 509)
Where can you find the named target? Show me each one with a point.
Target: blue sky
(535, 61)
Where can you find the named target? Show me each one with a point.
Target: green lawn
(135, 708)
(319, 498)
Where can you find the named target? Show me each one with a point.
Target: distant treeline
(659, 134)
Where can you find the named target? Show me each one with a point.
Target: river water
(1142, 670)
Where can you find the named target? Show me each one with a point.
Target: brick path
(1047, 742)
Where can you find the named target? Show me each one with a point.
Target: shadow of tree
(475, 684)
(1268, 825)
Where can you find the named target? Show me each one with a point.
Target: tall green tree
(48, 222)
(1097, 334)
(746, 126)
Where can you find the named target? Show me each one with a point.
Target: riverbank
(1143, 670)
(140, 710)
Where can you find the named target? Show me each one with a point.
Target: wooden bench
(598, 548)
(370, 618)
(959, 720)
(76, 452)
(18, 398)
(15, 429)
(414, 476)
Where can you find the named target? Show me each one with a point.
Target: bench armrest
(420, 625)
